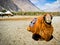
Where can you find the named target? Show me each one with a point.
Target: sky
(47, 5)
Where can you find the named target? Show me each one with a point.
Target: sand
(15, 33)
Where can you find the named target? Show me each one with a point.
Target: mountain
(1, 8)
(9, 5)
(18, 5)
(56, 9)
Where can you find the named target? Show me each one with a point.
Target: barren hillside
(18, 5)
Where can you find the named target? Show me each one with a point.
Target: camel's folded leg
(36, 37)
(50, 38)
(28, 28)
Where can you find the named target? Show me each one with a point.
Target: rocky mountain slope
(18, 5)
(9, 5)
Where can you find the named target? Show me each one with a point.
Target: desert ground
(13, 32)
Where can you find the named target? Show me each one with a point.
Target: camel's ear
(44, 16)
(51, 16)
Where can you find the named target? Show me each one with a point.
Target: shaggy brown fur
(41, 28)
